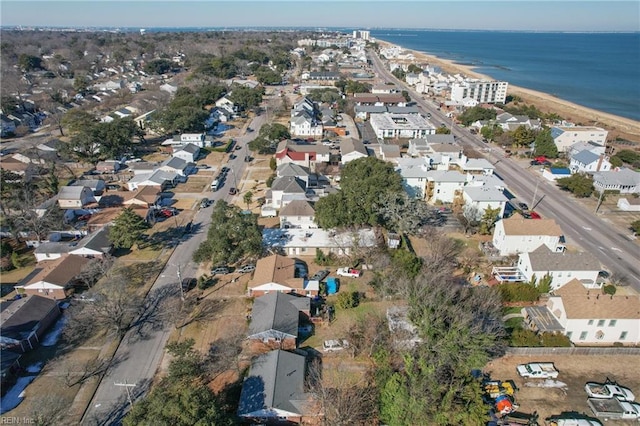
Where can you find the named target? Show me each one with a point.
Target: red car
(166, 213)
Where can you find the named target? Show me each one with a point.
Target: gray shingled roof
(622, 177)
(288, 184)
(26, 319)
(585, 157)
(440, 139)
(292, 169)
(483, 193)
(275, 381)
(277, 311)
(297, 208)
(543, 259)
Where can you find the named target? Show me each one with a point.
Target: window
(623, 335)
(601, 323)
(583, 335)
(590, 322)
(612, 323)
(569, 333)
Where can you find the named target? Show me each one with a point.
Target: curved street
(609, 245)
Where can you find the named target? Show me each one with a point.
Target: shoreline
(580, 115)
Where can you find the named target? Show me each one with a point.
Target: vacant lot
(575, 371)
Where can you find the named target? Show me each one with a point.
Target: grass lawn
(506, 310)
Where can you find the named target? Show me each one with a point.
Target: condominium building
(482, 91)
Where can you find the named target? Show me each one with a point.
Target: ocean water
(596, 70)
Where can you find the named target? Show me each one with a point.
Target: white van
(215, 185)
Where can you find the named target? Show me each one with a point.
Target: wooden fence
(576, 350)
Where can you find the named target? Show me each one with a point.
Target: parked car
(205, 203)
(224, 169)
(220, 270)
(188, 284)
(167, 212)
(113, 187)
(523, 206)
(320, 275)
(537, 370)
(233, 191)
(334, 345)
(349, 272)
(249, 129)
(247, 158)
(246, 269)
(238, 148)
(608, 390)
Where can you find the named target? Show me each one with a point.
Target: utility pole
(599, 203)
(127, 386)
(533, 200)
(180, 283)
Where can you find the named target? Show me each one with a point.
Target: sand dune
(617, 126)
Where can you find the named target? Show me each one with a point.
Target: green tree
(578, 184)
(471, 115)
(273, 164)
(223, 67)
(544, 144)
(248, 198)
(159, 66)
(127, 229)
(274, 132)
(357, 87)
(491, 132)
(77, 121)
(246, 98)
(628, 156)
(488, 220)
(615, 162)
(363, 182)
(635, 226)
(30, 63)
(348, 299)
(266, 75)
(414, 69)
(81, 84)
(443, 130)
(544, 286)
(609, 289)
(523, 136)
(399, 73)
(232, 236)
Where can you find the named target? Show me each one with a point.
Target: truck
(572, 421)
(537, 370)
(349, 272)
(614, 409)
(215, 185)
(608, 390)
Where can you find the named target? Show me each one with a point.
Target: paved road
(141, 350)
(608, 244)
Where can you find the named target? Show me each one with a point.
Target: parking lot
(575, 371)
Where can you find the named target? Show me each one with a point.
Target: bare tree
(48, 409)
(96, 269)
(342, 397)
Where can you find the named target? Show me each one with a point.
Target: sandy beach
(578, 114)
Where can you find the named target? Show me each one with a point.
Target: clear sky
(543, 15)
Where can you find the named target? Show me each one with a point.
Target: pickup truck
(608, 390)
(537, 370)
(349, 272)
(572, 421)
(614, 409)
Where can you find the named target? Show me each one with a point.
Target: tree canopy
(266, 75)
(471, 115)
(579, 185)
(269, 136)
(159, 66)
(127, 229)
(245, 97)
(93, 141)
(233, 236)
(363, 183)
(544, 144)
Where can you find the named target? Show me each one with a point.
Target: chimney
(600, 159)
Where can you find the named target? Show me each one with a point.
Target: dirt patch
(193, 184)
(575, 371)
(223, 380)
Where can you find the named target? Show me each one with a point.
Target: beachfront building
(389, 125)
(482, 91)
(565, 137)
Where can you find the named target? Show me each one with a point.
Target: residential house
(108, 166)
(274, 390)
(169, 89)
(477, 199)
(275, 318)
(299, 172)
(189, 153)
(418, 148)
(305, 125)
(277, 273)
(145, 197)
(226, 104)
(352, 149)
(25, 321)
(588, 317)
(8, 126)
(509, 122)
(562, 267)
(305, 242)
(625, 180)
(75, 197)
(177, 165)
(159, 178)
(414, 175)
(565, 137)
(586, 146)
(389, 153)
(588, 162)
(54, 278)
(285, 189)
(95, 244)
(480, 166)
(297, 214)
(303, 155)
(519, 235)
(444, 186)
(96, 185)
(388, 125)
(142, 167)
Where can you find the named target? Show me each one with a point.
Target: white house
(226, 104)
(305, 125)
(519, 235)
(480, 166)
(304, 242)
(418, 148)
(414, 175)
(176, 165)
(188, 152)
(589, 317)
(303, 155)
(388, 125)
(294, 170)
(624, 180)
(588, 162)
(479, 198)
(389, 152)
(352, 149)
(75, 197)
(159, 178)
(565, 137)
(285, 187)
(297, 214)
(445, 185)
(562, 267)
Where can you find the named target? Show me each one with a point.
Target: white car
(608, 390)
(349, 272)
(334, 345)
